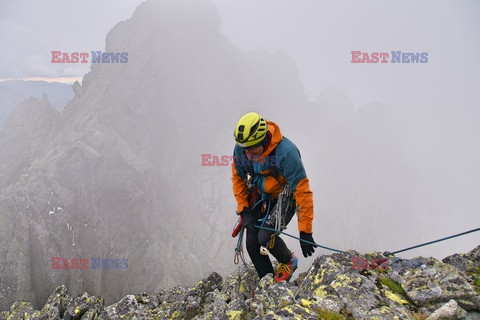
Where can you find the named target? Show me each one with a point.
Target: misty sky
(318, 35)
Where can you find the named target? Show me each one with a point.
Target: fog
(390, 150)
(392, 162)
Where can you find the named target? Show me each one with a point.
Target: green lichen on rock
(392, 285)
(396, 297)
(476, 282)
(325, 314)
(418, 316)
(331, 289)
(23, 310)
(4, 315)
(235, 314)
(78, 306)
(56, 304)
(436, 284)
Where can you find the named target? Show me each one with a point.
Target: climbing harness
(277, 217)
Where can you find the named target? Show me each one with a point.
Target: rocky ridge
(330, 289)
(104, 176)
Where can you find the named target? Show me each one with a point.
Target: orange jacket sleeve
(239, 190)
(304, 199)
(291, 167)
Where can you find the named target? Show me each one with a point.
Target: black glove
(307, 248)
(247, 218)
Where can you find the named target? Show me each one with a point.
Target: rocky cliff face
(117, 173)
(14, 92)
(333, 288)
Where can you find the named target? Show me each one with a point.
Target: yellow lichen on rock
(305, 303)
(176, 314)
(320, 291)
(395, 297)
(342, 280)
(242, 288)
(318, 279)
(234, 314)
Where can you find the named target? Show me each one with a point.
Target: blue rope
(386, 253)
(289, 235)
(239, 241)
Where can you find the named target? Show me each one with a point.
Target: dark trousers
(259, 237)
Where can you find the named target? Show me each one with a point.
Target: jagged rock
(4, 315)
(23, 310)
(93, 312)
(241, 284)
(56, 304)
(215, 305)
(102, 159)
(436, 284)
(78, 306)
(181, 303)
(468, 263)
(77, 88)
(473, 315)
(450, 310)
(127, 308)
(276, 299)
(331, 286)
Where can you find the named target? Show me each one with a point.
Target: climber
(257, 140)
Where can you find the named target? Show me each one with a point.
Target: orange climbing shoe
(285, 270)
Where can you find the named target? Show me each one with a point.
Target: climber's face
(255, 152)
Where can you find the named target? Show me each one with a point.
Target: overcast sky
(30, 30)
(318, 35)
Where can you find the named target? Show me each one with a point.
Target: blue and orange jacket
(290, 168)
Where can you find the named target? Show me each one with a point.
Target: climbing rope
(303, 240)
(276, 218)
(387, 253)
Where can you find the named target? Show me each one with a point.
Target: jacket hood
(276, 138)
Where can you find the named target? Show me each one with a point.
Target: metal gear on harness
(239, 250)
(278, 216)
(271, 243)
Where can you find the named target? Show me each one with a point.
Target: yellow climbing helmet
(250, 131)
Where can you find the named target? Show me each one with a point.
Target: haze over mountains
(117, 172)
(13, 92)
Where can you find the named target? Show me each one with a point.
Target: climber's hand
(307, 248)
(247, 218)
